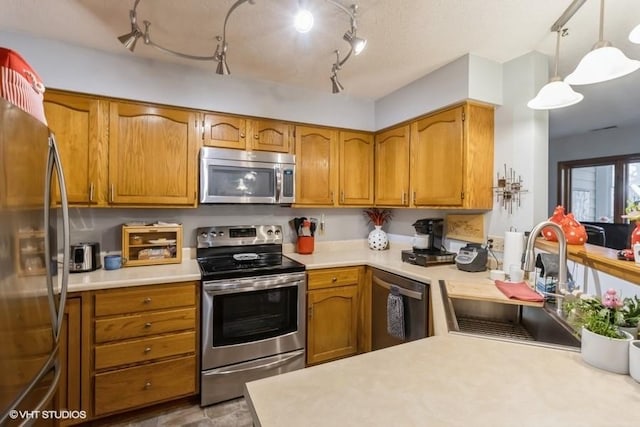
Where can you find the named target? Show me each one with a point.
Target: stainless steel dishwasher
(415, 298)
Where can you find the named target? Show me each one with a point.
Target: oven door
(249, 318)
(239, 181)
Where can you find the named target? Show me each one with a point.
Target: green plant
(632, 210)
(631, 311)
(378, 216)
(600, 316)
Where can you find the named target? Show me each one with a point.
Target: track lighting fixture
(303, 23)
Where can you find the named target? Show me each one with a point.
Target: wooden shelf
(597, 257)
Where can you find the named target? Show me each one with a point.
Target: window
(597, 190)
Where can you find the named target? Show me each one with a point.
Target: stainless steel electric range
(253, 309)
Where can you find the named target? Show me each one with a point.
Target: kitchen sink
(515, 323)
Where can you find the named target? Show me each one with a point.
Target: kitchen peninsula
(445, 380)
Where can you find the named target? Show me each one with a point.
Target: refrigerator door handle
(54, 161)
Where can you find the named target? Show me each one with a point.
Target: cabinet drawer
(125, 353)
(142, 385)
(332, 277)
(144, 324)
(145, 298)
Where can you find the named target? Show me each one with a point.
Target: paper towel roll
(513, 248)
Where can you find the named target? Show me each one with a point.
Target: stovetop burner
(242, 251)
(427, 257)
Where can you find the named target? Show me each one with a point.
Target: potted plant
(378, 239)
(632, 213)
(631, 315)
(603, 344)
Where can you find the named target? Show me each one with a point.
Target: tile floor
(233, 413)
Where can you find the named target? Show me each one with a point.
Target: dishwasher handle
(402, 291)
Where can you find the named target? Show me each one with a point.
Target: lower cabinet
(145, 345)
(69, 386)
(333, 306)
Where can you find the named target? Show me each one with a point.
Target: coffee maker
(427, 244)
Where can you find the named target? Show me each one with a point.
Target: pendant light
(603, 63)
(556, 93)
(634, 35)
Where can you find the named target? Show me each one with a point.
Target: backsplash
(105, 225)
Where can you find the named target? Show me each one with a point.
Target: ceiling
(407, 39)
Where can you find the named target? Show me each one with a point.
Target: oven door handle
(256, 366)
(244, 285)
(402, 291)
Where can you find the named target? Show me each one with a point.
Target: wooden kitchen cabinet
(333, 306)
(392, 167)
(355, 181)
(80, 124)
(224, 131)
(452, 158)
(144, 346)
(316, 166)
(69, 389)
(152, 155)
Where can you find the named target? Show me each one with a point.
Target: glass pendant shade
(634, 36)
(602, 64)
(303, 21)
(555, 94)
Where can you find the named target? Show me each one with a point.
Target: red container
(20, 84)
(306, 244)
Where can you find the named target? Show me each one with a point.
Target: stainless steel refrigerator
(34, 254)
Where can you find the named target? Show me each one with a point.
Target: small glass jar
(135, 239)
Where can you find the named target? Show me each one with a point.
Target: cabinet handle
(242, 135)
(147, 325)
(341, 196)
(334, 279)
(310, 311)
(404, 197)
(147, 385)
(91, 193)
(332, 197)
(256, 136)
(147, 349)
(147, 300)
(112, 190)
(414, 197)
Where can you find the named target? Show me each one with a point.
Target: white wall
(64, 66)
(521, 142)
(468, 77)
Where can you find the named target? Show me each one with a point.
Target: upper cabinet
(80, 126)
(392, 167)
(333, 168)
(356, 168)
(442, 160)
(315, 165)
(220, 130)
(152, 155)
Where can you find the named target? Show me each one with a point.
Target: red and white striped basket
(20, 84)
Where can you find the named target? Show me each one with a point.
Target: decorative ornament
(508, 189)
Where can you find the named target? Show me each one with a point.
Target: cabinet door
(392, 167)
(356, 168)
(152, 155)
(224, 131)
(271, 135)
(315, 165)
(68, 396)
(437, 169)
(79, 124)
(332, 318)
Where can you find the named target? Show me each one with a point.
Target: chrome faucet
(529, 257)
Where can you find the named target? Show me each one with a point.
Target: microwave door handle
(278, 176)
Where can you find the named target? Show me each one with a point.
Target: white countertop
(448, 380)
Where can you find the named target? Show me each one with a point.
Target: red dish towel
(520, 291)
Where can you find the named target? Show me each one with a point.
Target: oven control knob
(203, 235)
(212, 234)
(269, 232)
(277, 231)
(221, 233)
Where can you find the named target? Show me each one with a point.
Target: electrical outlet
(498, 243)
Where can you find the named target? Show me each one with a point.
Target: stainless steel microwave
(236, 176)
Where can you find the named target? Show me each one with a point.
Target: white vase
(378, 239)
(610, 354)
(634, 360)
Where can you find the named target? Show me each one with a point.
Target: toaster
(84, 257)
(472, 258)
